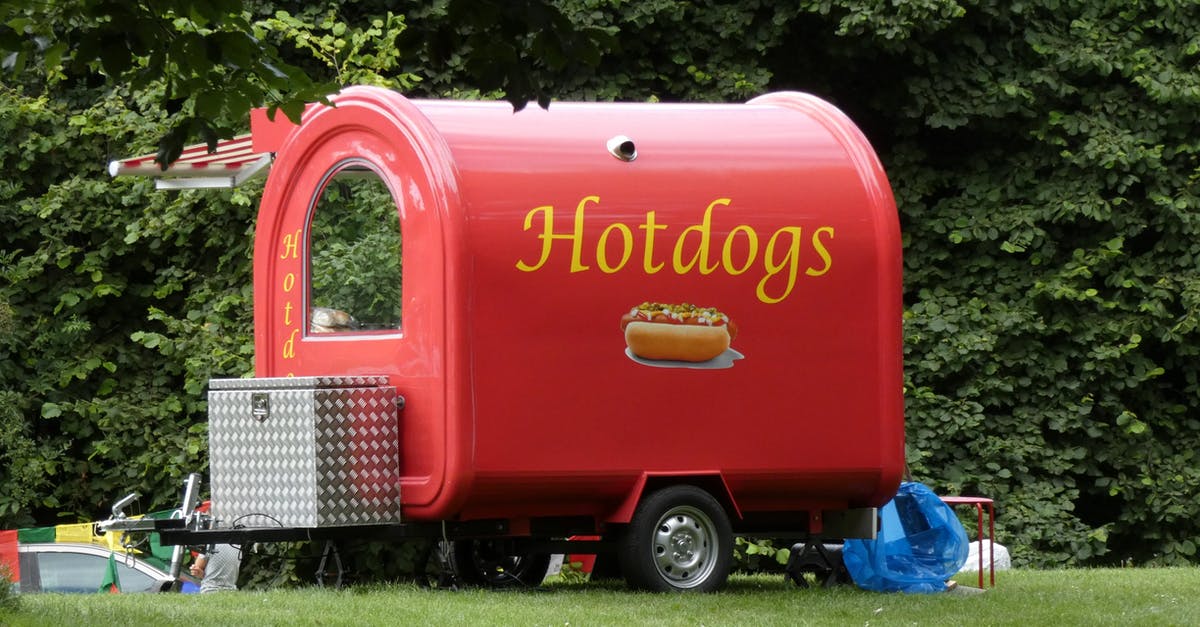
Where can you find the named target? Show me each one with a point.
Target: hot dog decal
(682, 332)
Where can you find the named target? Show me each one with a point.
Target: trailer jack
(821, 559)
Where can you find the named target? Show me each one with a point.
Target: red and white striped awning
(233, 162)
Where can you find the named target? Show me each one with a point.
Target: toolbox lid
(292, 383)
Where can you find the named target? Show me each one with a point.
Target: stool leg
(992, 543)
(979, 530)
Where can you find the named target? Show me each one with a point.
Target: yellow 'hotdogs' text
(692, 248)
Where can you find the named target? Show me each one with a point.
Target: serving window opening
(355, 246)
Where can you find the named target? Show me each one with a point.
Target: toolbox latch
(260, 406)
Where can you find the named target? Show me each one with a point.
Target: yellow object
(85, 533)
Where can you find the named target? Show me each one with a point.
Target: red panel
(524, 243)
(269, 134)
(386, 132)
(811, 414)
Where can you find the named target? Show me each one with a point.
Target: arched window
(354, 254)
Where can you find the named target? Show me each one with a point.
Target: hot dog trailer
(438, 288)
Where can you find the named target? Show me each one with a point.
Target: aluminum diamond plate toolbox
(304, 451)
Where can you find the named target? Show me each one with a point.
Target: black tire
(679, 540)
(480, 562)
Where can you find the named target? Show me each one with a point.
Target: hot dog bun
(677, 332)
(675, 342)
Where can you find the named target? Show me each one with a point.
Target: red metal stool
(979, 502)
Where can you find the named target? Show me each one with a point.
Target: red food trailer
(656, 324)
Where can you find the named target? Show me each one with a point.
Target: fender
(712, 481)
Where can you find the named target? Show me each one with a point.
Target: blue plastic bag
(920, 545)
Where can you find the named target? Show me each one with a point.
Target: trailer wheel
(678, 540)
(482, 562)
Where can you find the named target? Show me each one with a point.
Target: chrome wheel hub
(685, 547)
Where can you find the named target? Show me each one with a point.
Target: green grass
(1167, 596)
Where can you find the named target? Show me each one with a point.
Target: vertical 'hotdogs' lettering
(291, 245)
(290, 250)
(289, 346)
